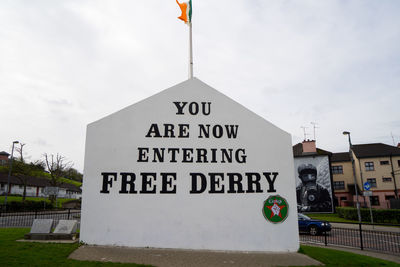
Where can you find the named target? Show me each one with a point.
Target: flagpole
(190, 52)
(186, 16)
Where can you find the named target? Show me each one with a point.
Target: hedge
(379, 215)
(29, 205)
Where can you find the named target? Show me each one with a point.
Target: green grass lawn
(331, 257)
(14, 253)
(333, 217)
(19, 198)
(68, 181)
(330, 217)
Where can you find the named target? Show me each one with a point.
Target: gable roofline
(298, 152)
(341, 157)
(375, 150)
(183, 84)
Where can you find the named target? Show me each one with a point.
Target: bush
(29, 205)
(379, 215)
(71, 204)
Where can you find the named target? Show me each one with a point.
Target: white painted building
(35, 187)
(189, 168)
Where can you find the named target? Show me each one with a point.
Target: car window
(304, 217)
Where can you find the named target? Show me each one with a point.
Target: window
(386, 179)
(374, 200)
(384, 162)
(338, 185)
(369, 166)
(389, 197)
(337, 169)
(398, 162)
(343, 198)
(372, 182)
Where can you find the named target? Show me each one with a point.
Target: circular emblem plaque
(275, 209)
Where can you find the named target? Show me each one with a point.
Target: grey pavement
(194, 258)
(367, 227)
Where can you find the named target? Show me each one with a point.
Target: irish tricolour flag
(186, 8)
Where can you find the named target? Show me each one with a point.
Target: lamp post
(354, 175)
(9, 174)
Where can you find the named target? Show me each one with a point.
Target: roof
(298, 151)
(4, 153)
(35, 181)
(375, 150)
(340, 157)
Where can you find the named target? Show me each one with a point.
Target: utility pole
(9, 174)
(394, 144)
(394, 177)
(354, 175)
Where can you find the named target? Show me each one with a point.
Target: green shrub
(28, 205)
(379, 215)
(73, 203)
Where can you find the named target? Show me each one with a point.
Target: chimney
(309, 146)
(398, 145)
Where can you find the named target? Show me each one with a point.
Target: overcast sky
(64, 64)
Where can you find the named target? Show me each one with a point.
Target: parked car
(311, 226)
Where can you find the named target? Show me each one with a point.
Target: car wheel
(313, 230)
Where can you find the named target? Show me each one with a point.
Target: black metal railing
(358, 236)
(362, 236)
(25, 219)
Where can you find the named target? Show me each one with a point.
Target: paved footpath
(367, 227)
(193, 258)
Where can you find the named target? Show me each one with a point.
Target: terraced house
(378, 164)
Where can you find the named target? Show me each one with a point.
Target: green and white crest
(275, 209)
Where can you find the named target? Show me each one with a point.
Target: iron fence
(347, 234)
(358, 237)
(25, 219)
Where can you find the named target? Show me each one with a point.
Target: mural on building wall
(313, 184)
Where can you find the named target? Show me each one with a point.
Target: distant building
(343, 181)
(378, 164)
(35, 187)
(4, 157)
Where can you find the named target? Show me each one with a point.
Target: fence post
(69, 212)
(35, 214)
(326, 240)
(361, 239)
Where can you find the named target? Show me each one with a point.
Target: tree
(56, 166)
(23, 170)
(19, 150)
(73, 174)
(39, 165)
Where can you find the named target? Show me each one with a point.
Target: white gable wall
(218, 221)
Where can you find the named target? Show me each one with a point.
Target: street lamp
(9, 174)
(354, 175)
